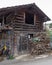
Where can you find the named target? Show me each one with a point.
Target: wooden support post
(34, 19)
(3, 21)
(24, 17)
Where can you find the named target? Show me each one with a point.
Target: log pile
(39, 44)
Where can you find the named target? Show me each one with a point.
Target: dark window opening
(29, 18)
(1, 21)
(5, 22)
(30, 35)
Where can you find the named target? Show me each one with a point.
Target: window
(29, 18)
(30, 35)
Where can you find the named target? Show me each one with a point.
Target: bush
(11, 57)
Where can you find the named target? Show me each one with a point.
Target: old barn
(18, 24)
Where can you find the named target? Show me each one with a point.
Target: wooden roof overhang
(31, 8)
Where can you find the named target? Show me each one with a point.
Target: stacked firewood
(39, 44)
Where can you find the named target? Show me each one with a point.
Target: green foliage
(50, 34)
(35, 39)
(11, 57)
(50, 25)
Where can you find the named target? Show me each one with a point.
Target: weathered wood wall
(17, 21)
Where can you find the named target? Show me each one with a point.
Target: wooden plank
(18, 21)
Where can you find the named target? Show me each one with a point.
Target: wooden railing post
(3, 22)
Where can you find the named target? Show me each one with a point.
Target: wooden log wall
(18, 23)
(39, 23)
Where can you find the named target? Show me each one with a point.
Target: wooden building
(18, 23)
